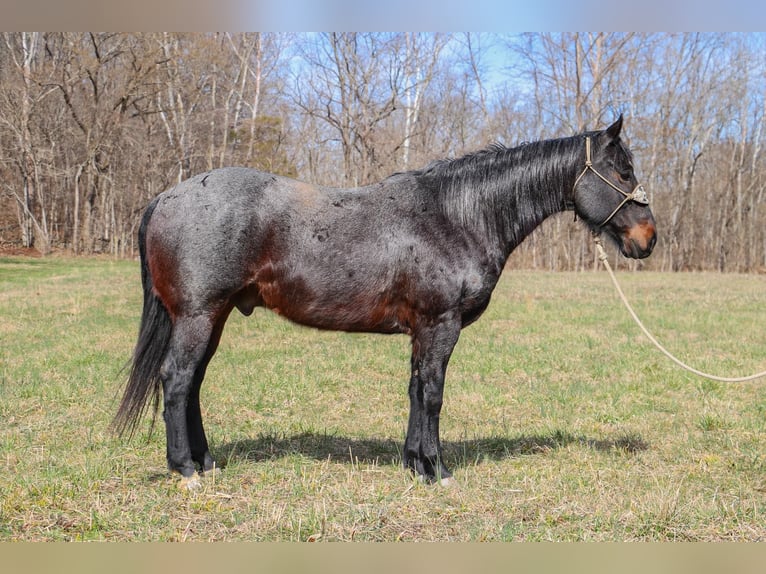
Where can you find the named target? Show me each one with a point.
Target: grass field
(560, 421)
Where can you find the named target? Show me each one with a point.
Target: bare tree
(421, 57)
(349, 83)
(20, 99)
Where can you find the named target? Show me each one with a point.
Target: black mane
(506, 192)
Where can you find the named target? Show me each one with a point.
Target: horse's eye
(624, 175)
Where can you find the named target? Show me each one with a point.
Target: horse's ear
(614, 130)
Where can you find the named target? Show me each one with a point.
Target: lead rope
(603, 258)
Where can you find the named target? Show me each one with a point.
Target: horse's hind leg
(200, 452)
(186, 353)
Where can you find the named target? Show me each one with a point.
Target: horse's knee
(433, 397)
(433, 405)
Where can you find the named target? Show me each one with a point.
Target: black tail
(153, 338)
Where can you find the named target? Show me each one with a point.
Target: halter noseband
(638, 194)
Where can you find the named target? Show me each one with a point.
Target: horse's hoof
(190, 483)
(447, 482)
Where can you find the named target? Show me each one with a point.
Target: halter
(638, 194)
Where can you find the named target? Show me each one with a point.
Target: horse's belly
(340, 306)
(353, 314)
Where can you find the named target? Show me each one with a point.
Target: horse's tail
(153, 337)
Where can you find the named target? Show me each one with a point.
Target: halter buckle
(639, 195)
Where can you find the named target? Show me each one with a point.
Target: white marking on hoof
(445, 482)
(190, 483)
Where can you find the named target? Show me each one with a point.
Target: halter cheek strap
(638, 194)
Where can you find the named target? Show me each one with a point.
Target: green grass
(560, 421)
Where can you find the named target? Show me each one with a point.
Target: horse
(418, 253)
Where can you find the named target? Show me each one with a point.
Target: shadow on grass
(323, 446)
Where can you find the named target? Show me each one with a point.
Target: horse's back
(217, 189)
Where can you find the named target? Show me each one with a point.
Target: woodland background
(92, 126)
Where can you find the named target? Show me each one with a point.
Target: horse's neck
(531, 195)
(501, 195)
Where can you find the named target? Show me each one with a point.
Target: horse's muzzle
(638, 241)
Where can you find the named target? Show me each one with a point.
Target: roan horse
(417, 253)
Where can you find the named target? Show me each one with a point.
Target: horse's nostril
(638, 248)
(646, 249)
(640, 239)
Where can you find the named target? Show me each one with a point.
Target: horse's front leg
(432, 347)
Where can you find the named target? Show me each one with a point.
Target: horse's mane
(505, 191)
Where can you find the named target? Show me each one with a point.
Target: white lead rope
(603, 258)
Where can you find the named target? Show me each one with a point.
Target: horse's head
(608, 197)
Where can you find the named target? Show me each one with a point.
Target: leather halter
(638, 194)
